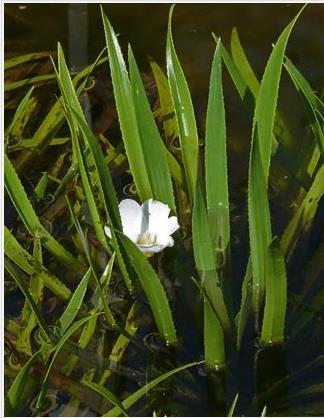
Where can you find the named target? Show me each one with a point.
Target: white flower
(148, 226)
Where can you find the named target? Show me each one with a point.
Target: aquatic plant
(104, 245)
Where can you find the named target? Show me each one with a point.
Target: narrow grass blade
(53, 121)
(20, 109)
(111, 397)
(22, 59)
(170, 125)
(108, 191)
(42, 79)
(74, 304)
(302, 219)
(16, 253)
(152, 145)
(273, 325)
(242, 88)
(126, 112)
(313, 104)
(13, 397)
(265, 108)
(184, 113)
(243, 64)
(127, 403)
(58, 348)
(28, 216)
(109, 317)
(153, 289)
(214, 345)
(11, 269)
(216, 165)
(71, 102)
(262, 133)
(41, 186)
(205, 260)
(232, 408)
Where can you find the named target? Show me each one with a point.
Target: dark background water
(37, 27)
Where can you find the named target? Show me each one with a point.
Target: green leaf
(108, 191)
(74, 304)
(111, 397)
(14, 394)
(71, 102)
(313, 105)
(127, 403)
(20, 110)
(27, 214)
(21, 59)
(50, 125)
(243, 64)
(152, 145)
(233, 405)
(11, 269)
(27, 263)
(273, 325)
(184, 113)
(153, 289)
(262, 133)
(214, 345)
(169, 122)
(58, 348)
(126, 112)
(302, 219)
(216, 164)
(41, 186)
(205, 260)
(109, 317)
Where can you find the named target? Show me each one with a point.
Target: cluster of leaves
(194, 184)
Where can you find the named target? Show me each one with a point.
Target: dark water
(37, 27)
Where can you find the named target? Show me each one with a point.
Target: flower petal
(158, 214)
(173, 225)
(147, 249)
(131, 216)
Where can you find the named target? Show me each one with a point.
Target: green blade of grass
(205, 260)
(20, 110)
(127, 403)
(153, 289)
(184, 113)
(26, 262)
(216, 164)
(313, 105)
(77, 122)
(21, 59)
(74, 304)
(108, 191)
(152, 145)
(58, 348)
(243, 64)
(13, 396)
(110, 396)
(302, 219)
(53, 121)
(273, 325)
(214, 347)
(126, 112)
(169, 122)
(11, 269)
(109, 316)
(71, 102)
(27, 214)
(42, 79)
(262, 133)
